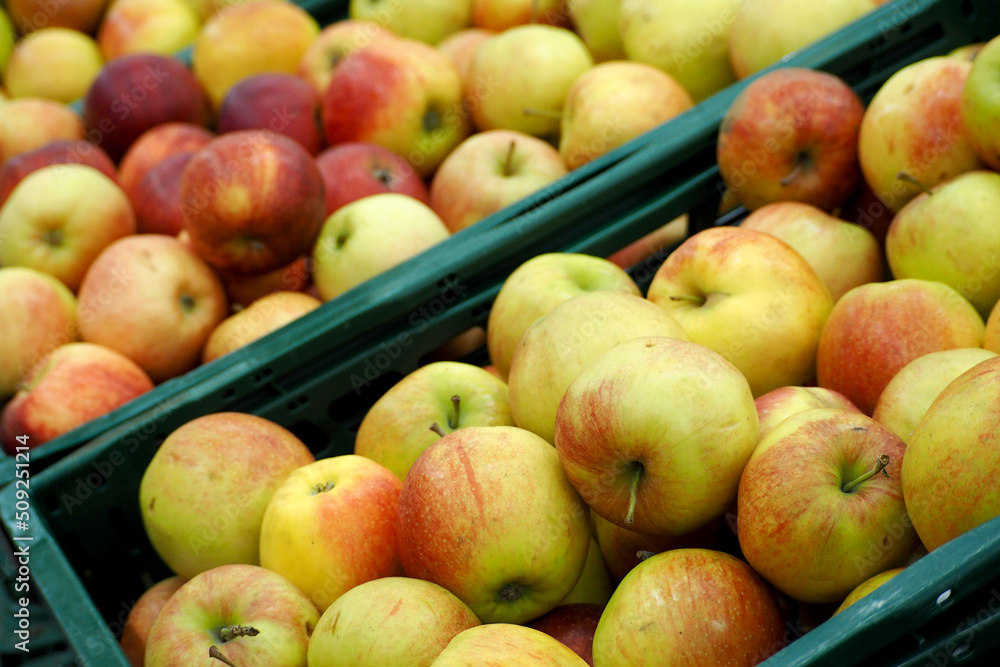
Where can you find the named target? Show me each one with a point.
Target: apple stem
(214, 652)
(880, 465)
(633, 494)
(318, 488)
(903, 176)
(231, 632)
(437, 429)
(456, 402)
(507, 164)
(801, 160)
(547, 113)
(687, 297)
(642, 554)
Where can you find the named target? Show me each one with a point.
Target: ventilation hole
(228, 394)
(296, 404)
(447, 281)
(941, 599)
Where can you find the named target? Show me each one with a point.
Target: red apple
(157, 200)
(157, 144)
(354, 170)
(281, 103)
(29, 15)
(60, 151)
(245, 288)
(777, 405)
(573, 625)
(141, 617)
(29, 123)
(333, 43)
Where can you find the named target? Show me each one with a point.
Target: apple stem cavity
(880, 465)
(510, 592)
(456, 402)
(642, 554)
(437, 429)
(318, 488)
(544, 113)
(432, 120)
(802, 161)
(633, 494)
(214, 652)
(187, 302)
(53, 237)
(508, 167)
(903, 176)
(383, 176)
(688, 297)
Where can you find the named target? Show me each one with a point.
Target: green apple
(687, 40)
(948, 472)
(150, 26)
(506, 645)
(53, 63)
(821, 504)
(556, 348)
(981, 104)
(448, 394)
(596, 21)
(866, 587)
(204, 493)
(7, 36)
(425, 20)
(487, 513)
(390, 621)
(536, 287)
(594, 585)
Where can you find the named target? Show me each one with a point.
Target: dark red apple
(61, 151)
(157, 197)
(137, 92)
(357, 169)
(157, 144)
(281, 103)
(573, 625)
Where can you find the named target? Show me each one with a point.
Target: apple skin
(991, 339)
(370, 236)
(60, 151)
(156, 145)
(750, 297)
(914, 125)
(777, 405)
(29, 123)
(233, 595)
(501, 15)
(611, 430)
(39, 315)
(842, 254)
(388, 621)
(244, 289)
(185, 477)
(261, 214)
(54, 63)
(250, 38)
(554, 350)
(536, 287)
(29, 15)
(396, 429)
(135, 93)
(506, 645)
(141, 617)
(489, 171)
(613, 103)
(428, 21)
(914, 388)
(792, 135)
(401, 94)
(924, 242)
(573, 625)
(487, 513)
(60, 218)
(866, 587)
(156, 199)
(147, 26)
(657, 242)
(876, 329)
(707, 608)
(333, 43)
(948, 479)
(594, 585)
(980, 101)
(267, 314)
(799, 529)
(356, 169)
(281, 103)
(331, 526)
(74, 384)
(597, 23)
(460, 47)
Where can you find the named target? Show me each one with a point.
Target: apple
(331, 526)
(28, 123)
(912, 136)
(59, 218)
(573, 625)
(763, 31)
(950, 458)
(153, 300)
(400, 94)
(388, 621)
(370, 236)
(204, 493)
(656, 471)
(506, 645)
(487, 513)
(991, 339)
(141, 617)
(281, 103)
(924, 241)
(866, 587)
(219, 614)
(816, 515)
(980, 101)
(38, 315)
(597, 23)
(448, 394)
(267, 314)
(357, 169)
(554, 350)
(54, 63)
(842, 254)
(691, 607)
(244, 289)
(157, 144)
(147, 26)
(458, 348)
(331, 45)
(460, 47)
(81, 15)
(536, 287)
(73, 384)
(501, 15)
(613, 103)
(519, 79)
(489, 171)
(250, 38)
(687, 40)
(7, 38)
(253, 201)
(135, 93)
(657, 243)
(876, 329)
(60, 151)
(792, 135)
(594, 587)
(779, 404)
(424, 20)
(157, 197)
(751, 298)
